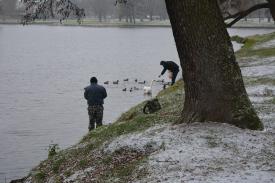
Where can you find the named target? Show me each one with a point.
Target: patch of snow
(258, 100)
(204, 152)
(236, 46)
(256, 61)
(255, 71)
(138, 141)
(261, 90)
(78, 175)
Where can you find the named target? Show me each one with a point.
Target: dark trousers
(175, 73)
(95, 116)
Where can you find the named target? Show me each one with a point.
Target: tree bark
(214, 88)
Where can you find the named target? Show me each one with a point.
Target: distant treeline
(129, 12)
(104, 10)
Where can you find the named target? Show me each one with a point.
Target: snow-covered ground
(261, 70)
(204, 152)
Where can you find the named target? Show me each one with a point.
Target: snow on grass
(256, 61)
(78, 175)
(257, 71)
(261, 90)
(257, 67)
(268, 44)
(259, 100)
(236, 46)
(137, 141)
(204, 152)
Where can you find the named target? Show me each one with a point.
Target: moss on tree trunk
(214, 88)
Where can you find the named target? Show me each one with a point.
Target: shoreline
(138, 25)
(135, 125)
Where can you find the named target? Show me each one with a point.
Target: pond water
(43, 70)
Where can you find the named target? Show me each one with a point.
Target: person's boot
(98, 125)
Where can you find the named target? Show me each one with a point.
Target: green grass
(266, 52)
(125, 172)
(251, 41)
(259, 81)
(83, 163)
(67, 173)
(39, 177)
(56, 164)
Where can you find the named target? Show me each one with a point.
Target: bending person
(171, 67)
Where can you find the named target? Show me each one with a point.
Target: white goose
(148, 89)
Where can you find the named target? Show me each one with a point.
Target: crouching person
(95, 95)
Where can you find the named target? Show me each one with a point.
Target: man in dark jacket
(172, 67)
(95, 95)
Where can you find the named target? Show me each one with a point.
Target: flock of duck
(146, 89)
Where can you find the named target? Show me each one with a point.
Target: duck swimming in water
(115, 82)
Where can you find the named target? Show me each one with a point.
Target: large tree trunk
(214, 88)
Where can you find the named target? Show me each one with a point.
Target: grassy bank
(93, 22)
(92, 160)
(117, 164)
(252, 46)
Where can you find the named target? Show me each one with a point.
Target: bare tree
(50, 9)
(100, 8)
(1, 7)
(8, 7)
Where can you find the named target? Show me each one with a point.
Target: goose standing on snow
(148, 89)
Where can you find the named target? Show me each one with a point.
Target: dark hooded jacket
(95, 94)
(169, 65)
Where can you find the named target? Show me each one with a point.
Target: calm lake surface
(43, 71)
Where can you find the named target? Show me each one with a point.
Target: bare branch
(51, 8)
(238, 16)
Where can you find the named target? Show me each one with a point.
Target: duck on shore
(106, 82)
